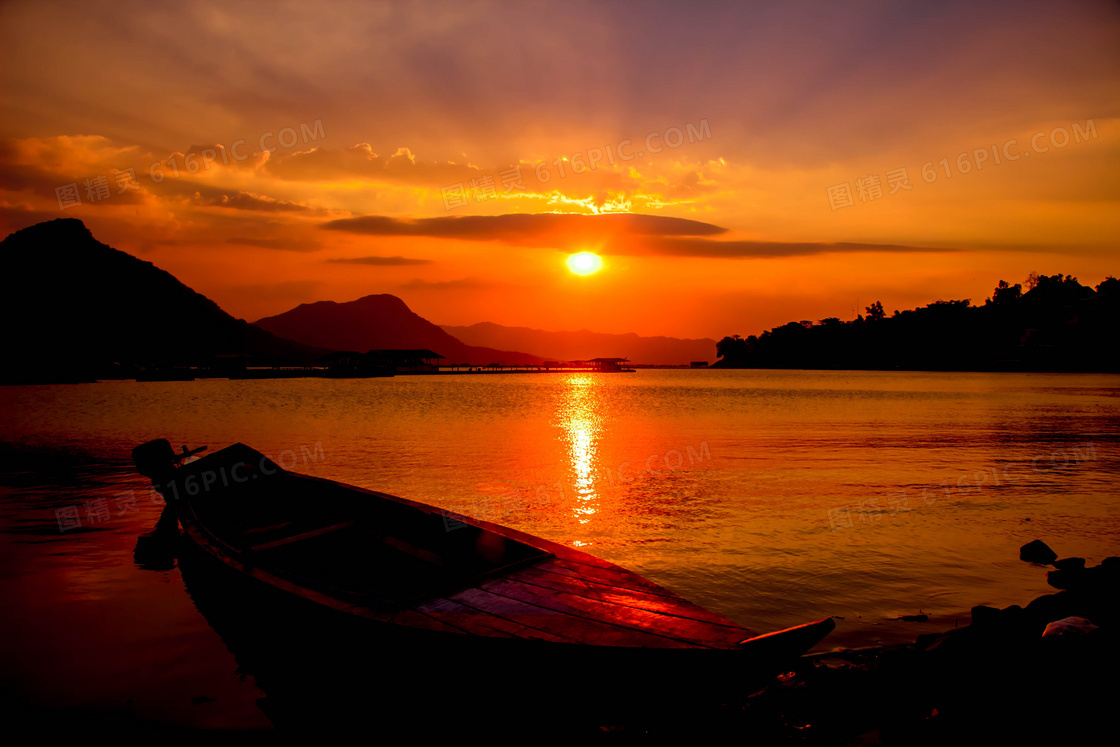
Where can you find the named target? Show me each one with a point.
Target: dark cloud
(244, 201)
(534, 229)
(381, 261)
(17, 177)
(16, 217)
(463, 284)
(698, 247)
(618, 233)
(21, 177)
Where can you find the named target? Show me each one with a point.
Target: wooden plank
(613, 576)
(627, 597)
(303, 536)
(479, 622)
(561, 623)
(415, 619)
(677, 628)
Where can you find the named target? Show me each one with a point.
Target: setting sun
(738, 296)
(585, 263)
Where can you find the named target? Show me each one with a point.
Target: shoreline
(1017, 675)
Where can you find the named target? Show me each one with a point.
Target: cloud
(14, 217)
(286, 245)
(244, 201)
(381, 261)
(535, 229)
(216, 156)
(41, 165)
(618, 233)
(471, 283)
(698, 247)
(359, 161)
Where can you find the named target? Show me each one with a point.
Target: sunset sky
(328, 151)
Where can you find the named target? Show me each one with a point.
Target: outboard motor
(156, 458)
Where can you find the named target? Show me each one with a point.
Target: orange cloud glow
(736, 165)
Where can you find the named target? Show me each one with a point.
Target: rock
(1037, 551)
(1049, 607)
(919, 618)
(1012, 615)
(952, 642)
(1109, 570)
(1066, 564)
(1068, 578)
(1015, 621)
(1068, 626)
(1102, 581)
(925, 640)
(984, 618)
(939, 642)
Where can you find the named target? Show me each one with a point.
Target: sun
(585, 263)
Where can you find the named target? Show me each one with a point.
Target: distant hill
(1057, 325)
(380, 322)
(77, 309)
(584, 345)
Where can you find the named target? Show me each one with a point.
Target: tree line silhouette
(1056, 324)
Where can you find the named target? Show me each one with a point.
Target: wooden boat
(410, 570)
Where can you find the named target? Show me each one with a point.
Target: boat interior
(353, 544)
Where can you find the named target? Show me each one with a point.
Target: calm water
(771, 497)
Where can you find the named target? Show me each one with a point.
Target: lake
(772, 497)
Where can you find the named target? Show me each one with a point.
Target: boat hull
(317, 581)
(323, 671)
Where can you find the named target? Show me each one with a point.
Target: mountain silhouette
(380, 322)
(583, 345)
(78, 309)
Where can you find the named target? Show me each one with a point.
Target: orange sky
(410, 142)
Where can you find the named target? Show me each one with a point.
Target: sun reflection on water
(582, 425)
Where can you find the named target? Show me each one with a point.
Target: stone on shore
(1037, 551)
(918, 618)
(1067, 578)
(1069, 626)
(984, 617)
